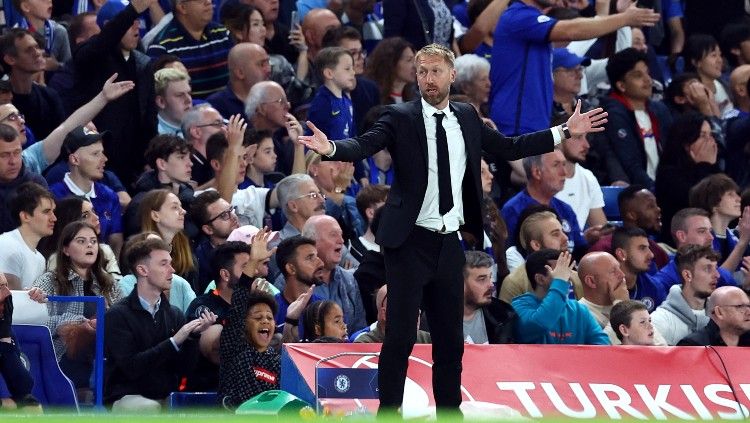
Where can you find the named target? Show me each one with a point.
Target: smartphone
(295, 19)
(645, 4)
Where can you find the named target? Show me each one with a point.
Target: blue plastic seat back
(179, 400)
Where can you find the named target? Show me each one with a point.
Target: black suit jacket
(401, 130)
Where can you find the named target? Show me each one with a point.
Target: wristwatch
(566, 131)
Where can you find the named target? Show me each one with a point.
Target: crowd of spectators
(149, 154)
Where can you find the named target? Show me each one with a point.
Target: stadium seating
(611, 208)
(178, 400)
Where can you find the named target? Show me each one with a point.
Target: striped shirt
(205, 59)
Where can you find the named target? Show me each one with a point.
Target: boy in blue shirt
(546, 315)
(331, 110)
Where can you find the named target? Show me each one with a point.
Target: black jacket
(499, 320)
(147, 182)
(710, 336)
(140, 358)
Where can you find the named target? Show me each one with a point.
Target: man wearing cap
(567, 74)
(114, 50)
(85, 152)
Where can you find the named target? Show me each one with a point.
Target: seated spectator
(333, 178)
(473, 80)
(14, 372)
(630, 247)
(314, 27)
(33, 211)
(686, 93)
(703, 56)
(370, 273)
(487, 320)
(421, 22)
(690, 155)
(143, 362)
(216, 219)
(369, 200)
(77, 209)
(540, 228)
(740, 95)
(733, 37)
(84, 151)
(180, 292)
(23, 59)
(262, 162)
(391, 67)
(173, 99)
(198, 124)
(719, 196)
(297, 258)
(727, 307)
(375, 333)
(227, 263)
(277, 28)
(323, 321)
(546, 177)
(248, 64)
(171, 168)
(546, 315)
(201, 44)
(37, 20)
(684, 310)
(161, 212)
(336, 284)
(692, 226)
(638, 209)
(631, 323)
(80, 272)
(637, 126)
(495, 230)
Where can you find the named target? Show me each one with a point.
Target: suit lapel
(418, 120)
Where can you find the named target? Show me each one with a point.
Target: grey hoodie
(679, 310)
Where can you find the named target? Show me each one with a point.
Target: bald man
(729, 310)
(314, 27)
(248, 64)
(376, 332)
(738, 85)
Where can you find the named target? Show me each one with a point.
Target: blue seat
(179, 400)
(611, 208)
(51, 386)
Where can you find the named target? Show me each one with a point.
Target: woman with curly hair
(391, 66)
(79, 272)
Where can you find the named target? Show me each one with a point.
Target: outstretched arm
(111, 91)
(381, 135)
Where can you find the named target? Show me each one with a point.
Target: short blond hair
(530, 228)
(163, 77)
(437, 50)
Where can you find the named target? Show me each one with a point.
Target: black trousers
(17, 378)
(426, 270)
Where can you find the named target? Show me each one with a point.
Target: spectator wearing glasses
(198, 124)
(729, 310)
(216, 219)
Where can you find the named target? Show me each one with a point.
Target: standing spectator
(567, 73)
(148, 345)
(420, 22)
(637, 126)
(198, 124)
(23, 60)
(36, 19)
(112, 51)
(331, 109)
(314, 26)
(173, 99)
(33, 211)
(248, 64)
(703, 56)
(727, 307)
(202, 45)
(391, 67)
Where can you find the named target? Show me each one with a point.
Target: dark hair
(731, 37)
(676, 88)
(697, 46)
(313, 315)
(381, 66)
(63, 285)
(164, 145)
(261, 297)
(334, 36)
(236, 15)
(685, 130)
(162, 61)
(8, 43)
(255, 136)
(745, 199)
(286, 251)
(8, 133)
(688, 255)
(623, 62)
(328, 58)
(137, 250)
(223, 257)
(622, 236)
(216, 145)
(67, 210)
(27, 197)
(375, 223)
(622, 314)
(680, 218)
(627, 195)
(536, 262)
(199, 206)
(370, 195)
(76, 28)
(708, 193)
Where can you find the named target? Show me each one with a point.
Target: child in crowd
(631, 323)
(263, 160)
(323, 321)
(331, 110)
(36, 18)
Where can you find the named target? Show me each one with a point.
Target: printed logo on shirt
(649, 303)
(264, 375)
(335, 112)
(542, 18)
(622, 133)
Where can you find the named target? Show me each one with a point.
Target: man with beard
(216, 219)
(729, 309)
(436, 149)
(638, 209)
(684, 310)
(297, 257)
(630, 247)
(487, 320)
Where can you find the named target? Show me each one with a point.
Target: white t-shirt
(17, 259)
(582, 193)
(649, 142)
(722, 98)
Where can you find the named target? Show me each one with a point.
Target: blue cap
(109, 10)
(563, 58)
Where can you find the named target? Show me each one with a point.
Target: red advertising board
(571, 381)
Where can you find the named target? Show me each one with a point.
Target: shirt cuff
(333, 152)
(174, 344)
(556, 134)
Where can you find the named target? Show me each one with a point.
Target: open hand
(638, 16)
(563, 268)
(294, 311)
(318, 141)
(583, 123)
(113, 90)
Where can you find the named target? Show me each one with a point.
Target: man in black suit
(436, 147)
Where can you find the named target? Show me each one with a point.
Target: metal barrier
(99, 351)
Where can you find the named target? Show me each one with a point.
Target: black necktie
(444, 166)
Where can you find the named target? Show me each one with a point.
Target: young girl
(323, 321)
